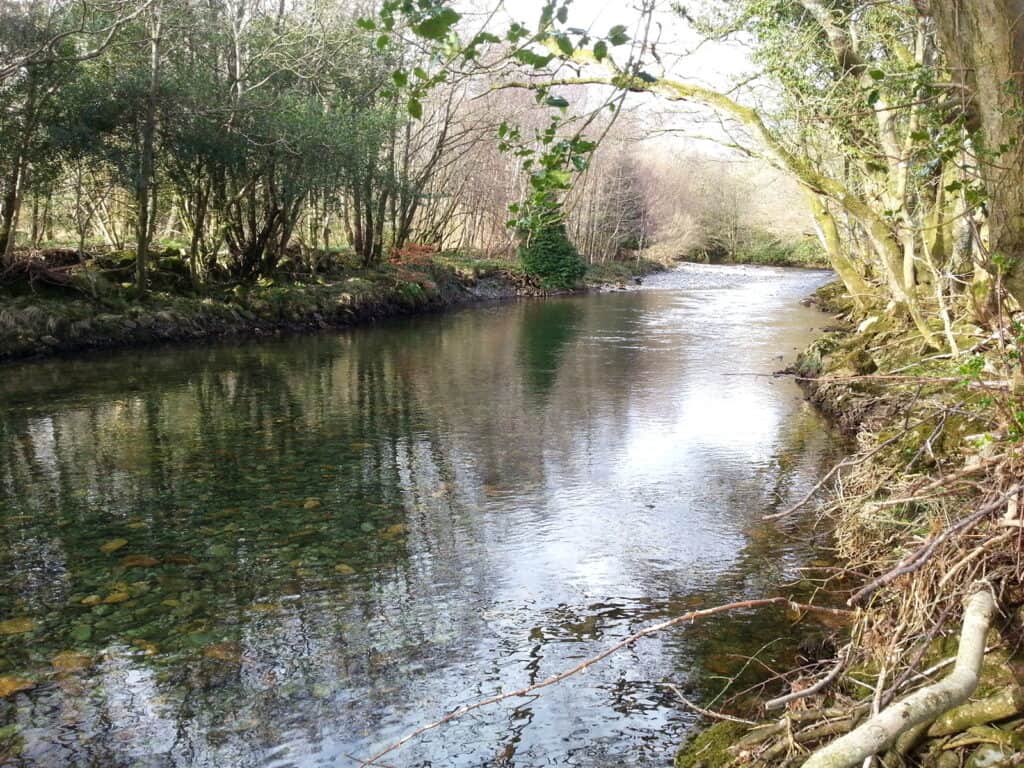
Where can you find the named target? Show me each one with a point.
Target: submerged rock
(11, 685)
(17, 626)
(71, 661)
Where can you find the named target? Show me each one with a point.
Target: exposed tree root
(882, 730)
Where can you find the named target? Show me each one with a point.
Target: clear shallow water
(285, 552)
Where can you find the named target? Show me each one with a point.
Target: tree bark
(984, 43)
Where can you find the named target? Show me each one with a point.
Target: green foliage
(549, 255)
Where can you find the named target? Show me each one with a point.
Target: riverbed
(293, 551)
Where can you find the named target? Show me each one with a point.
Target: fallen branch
(709, 713)
(880, 732)
(844, 657)
(587, 663)
(919, 557)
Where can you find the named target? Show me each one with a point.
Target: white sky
(716, 65)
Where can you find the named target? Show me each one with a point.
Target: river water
(288, 552)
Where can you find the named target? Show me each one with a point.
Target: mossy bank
(47, 320)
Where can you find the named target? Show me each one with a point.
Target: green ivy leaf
(532, 59)
(617, 35)
(415, 109)
(600, 50)
(401, 79)
(437, 26)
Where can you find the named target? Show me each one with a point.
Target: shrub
(550, 256)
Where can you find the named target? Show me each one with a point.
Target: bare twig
(587, 663)
(837, 668)
(709, 713)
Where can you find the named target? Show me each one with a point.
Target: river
(290, 551)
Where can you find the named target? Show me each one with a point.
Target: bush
(550, 256)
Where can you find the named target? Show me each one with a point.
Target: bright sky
(717, 65)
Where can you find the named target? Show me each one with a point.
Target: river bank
(52, 323)
(923, 512)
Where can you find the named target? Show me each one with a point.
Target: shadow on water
(281, 553)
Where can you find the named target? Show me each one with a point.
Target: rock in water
(12, 685)
(17, 626)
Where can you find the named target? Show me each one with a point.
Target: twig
(848, 462)
(837, 668)
(919, 557)
(710, 713)
(587, 663)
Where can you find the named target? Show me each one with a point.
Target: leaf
(516, 33)
(367, 24)
(532, 59)
(556, 101)
(877, 74)
(344, 569)
(617, 35)
(600, 50)
(382, 42)
(401, 79)
(421, 73)
(873, 97)
(415, 109)
(437, 26)
(564, 44)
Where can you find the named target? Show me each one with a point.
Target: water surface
(284, 552)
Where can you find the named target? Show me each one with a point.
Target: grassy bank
(89, 311)
(924, 513)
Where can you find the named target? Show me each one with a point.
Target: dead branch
(919, 557)
(837, 668)
(709, 713)
(587, 663)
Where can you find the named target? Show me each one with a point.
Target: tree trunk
(984, 41)
(143, 183)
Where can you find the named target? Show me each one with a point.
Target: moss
(709, 748)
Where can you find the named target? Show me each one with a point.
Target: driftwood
(881, 731)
